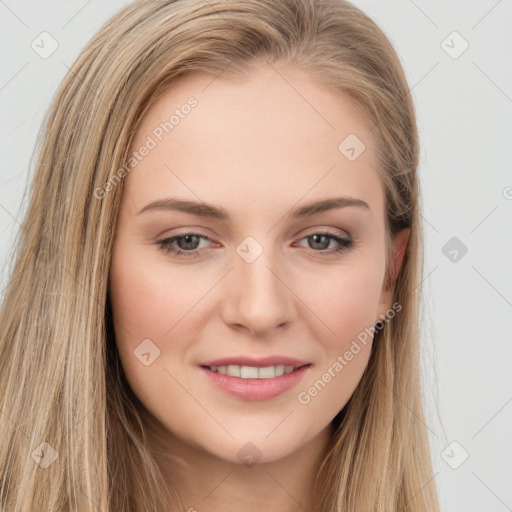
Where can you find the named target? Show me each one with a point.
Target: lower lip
(256, 389)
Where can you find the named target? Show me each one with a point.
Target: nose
(257, 296)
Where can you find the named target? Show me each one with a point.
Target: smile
(255, 383)
(253, 372)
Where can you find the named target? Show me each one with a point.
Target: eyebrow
(217, 212)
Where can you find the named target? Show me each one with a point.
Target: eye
(321, 241)
(188, 244)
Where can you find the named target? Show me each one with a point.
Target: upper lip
(259, 362)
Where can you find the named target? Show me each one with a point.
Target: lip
(259, 362)
(256, 389)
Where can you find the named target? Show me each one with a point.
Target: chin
(251, 446)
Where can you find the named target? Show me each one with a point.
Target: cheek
(149, 308)
(144, 308)
(346, 300)
(146, 300)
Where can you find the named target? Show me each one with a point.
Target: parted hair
(61, 382)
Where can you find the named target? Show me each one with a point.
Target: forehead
(270, 138)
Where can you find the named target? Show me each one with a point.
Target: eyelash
(166, 244)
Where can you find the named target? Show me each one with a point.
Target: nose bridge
(258, 299)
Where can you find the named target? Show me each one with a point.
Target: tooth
(253, 372)
(233, 370)
(248, 372)
(267, 372)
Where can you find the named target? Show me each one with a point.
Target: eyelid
(327, 231)
(343, 240)
(314, 231)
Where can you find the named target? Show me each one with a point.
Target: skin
(258, 148)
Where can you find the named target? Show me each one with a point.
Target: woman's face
(264, 279)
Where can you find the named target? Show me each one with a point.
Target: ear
(399, 245)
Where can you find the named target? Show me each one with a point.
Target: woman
(214, 303)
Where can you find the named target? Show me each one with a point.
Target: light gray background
(464, 109)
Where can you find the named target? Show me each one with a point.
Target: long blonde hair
(61, 382)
